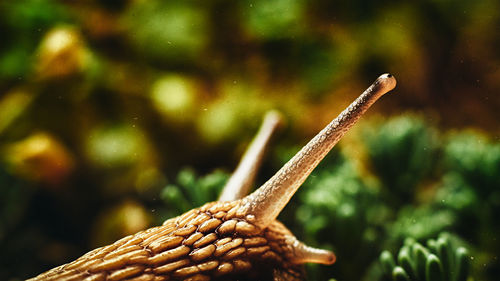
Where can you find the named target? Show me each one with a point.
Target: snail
(235, 238)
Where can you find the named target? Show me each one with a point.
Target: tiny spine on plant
(441, 260)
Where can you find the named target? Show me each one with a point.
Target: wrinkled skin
(208, 243)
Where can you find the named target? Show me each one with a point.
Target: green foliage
(403, 153)
(470, 189)
(457, 195)
(191, 191)
(444, 259)
(477, 160)
(421, 223)
(460, 195)
(343, 212)
(424, 195)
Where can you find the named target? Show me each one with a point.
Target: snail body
(235, 238)
(205, 243)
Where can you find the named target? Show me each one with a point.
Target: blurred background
(116, 115)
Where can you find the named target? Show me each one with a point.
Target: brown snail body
(234, 238)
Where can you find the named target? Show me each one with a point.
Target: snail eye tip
(387, 80)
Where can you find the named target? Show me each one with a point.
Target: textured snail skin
(212, 241)
(237, 239)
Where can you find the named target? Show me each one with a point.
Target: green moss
(342, 212)
(421, 223)
(403, 152)
(476, 159)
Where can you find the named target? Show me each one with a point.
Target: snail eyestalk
(306, 254)
(243, 177)
(267, 202)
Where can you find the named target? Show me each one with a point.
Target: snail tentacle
(306, 254)
(267, 202)
(243, 177)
